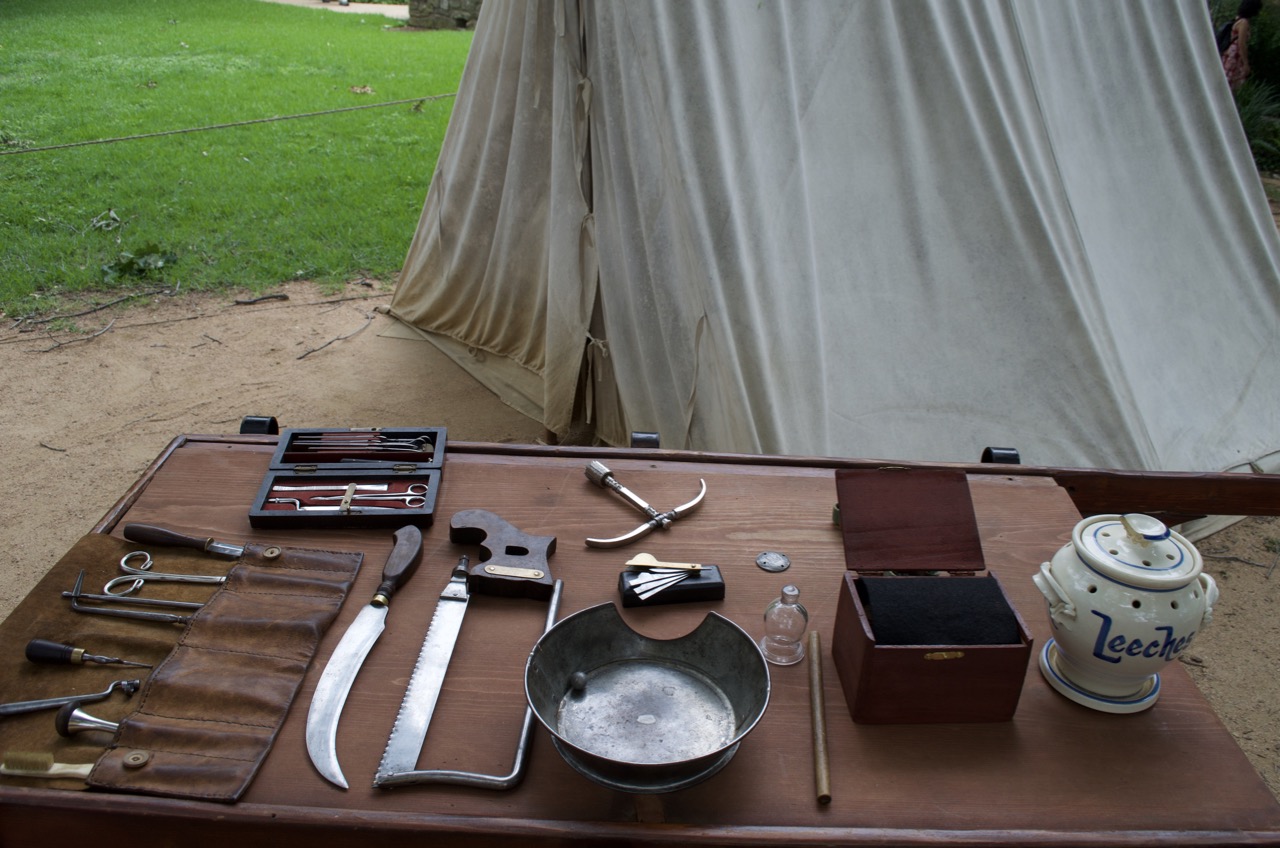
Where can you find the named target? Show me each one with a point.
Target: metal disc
(773, 561)
(647, 712)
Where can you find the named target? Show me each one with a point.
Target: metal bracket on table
(260, 424)
(1008, 456)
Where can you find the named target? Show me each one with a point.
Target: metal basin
(646, 715)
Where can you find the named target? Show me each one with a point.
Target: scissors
(412, 501)
(136, 576)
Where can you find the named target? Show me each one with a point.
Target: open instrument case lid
(908, 521)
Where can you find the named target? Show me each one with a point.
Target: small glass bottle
(785, 621)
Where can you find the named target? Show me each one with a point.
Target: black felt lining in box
(938, 611)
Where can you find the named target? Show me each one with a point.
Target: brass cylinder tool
(817, 710)
(599, 474)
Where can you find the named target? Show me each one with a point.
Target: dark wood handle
(149, 534)
(402, 561)
(45, 651)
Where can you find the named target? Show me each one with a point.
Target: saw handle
(514, 563)
(401, 562)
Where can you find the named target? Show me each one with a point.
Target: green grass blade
(329, 197)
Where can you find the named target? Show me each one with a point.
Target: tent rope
(225, 126)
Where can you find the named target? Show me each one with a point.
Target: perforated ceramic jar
(1125, 597)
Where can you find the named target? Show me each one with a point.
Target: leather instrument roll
(222, 684)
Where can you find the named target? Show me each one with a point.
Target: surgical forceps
(411, 489)
(137, 576)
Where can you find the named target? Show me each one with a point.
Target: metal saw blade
(410, 729)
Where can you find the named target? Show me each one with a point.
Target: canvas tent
(874, 228)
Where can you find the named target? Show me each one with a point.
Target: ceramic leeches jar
(1126, 596)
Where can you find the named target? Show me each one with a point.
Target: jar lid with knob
(1137, 550)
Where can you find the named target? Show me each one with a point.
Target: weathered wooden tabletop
(1057, 774)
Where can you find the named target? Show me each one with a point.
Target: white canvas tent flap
(879, 228)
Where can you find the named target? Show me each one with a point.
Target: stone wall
(444, 14)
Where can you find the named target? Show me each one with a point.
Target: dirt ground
(86, 411)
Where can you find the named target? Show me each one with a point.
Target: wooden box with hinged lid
(923, 633)
(335, 477)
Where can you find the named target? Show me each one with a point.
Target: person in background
(1235, 61)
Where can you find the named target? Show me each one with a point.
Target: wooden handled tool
(149, 534)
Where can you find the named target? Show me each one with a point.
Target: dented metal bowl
(646, 715)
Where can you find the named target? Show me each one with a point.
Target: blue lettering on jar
(1113, 649)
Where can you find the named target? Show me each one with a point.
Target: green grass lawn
(326, 198)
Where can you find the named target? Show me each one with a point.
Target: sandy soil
(86, 413)
(87, 409)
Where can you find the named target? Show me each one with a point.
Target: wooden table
(1058, 774)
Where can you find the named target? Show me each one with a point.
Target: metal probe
(19, 707)
(45, 651)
